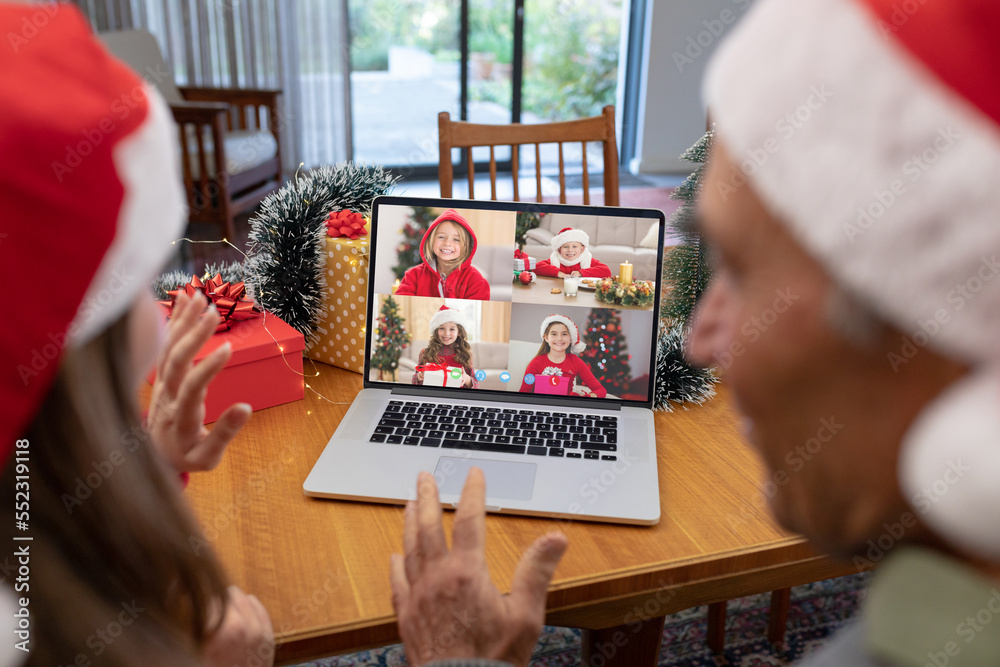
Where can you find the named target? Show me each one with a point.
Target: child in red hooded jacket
(447, 249)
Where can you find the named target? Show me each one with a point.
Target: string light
(281, 348)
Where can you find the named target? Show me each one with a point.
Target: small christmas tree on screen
(607, 353)
(392, 338)
(413, 231)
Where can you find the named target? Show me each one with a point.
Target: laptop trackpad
(504, 479)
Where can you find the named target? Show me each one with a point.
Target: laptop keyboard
(507, 431)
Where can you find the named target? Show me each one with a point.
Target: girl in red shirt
(557, 356)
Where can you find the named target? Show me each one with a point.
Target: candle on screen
(625, 273)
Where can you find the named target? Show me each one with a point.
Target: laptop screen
(501, 297)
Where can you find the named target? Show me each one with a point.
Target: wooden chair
(229, 138)
(460, 134)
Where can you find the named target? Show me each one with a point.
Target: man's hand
(245, 637)
(445, 601)
(177, 409)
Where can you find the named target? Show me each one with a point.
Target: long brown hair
(461, 347)
(111, 532)
(463, 233)
(545, 349)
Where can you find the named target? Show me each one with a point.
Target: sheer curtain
(299, 46)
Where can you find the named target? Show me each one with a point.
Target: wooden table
(540, 291)
(321, 567)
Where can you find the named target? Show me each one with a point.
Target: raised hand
(245, 638)
(177, 409)
(445, 601)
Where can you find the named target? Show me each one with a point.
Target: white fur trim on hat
(887, 176)
(879, 170)
(568, 235)
(949, 467)
(445, 315)
(152, 215)
(584, 260)
(578, 346)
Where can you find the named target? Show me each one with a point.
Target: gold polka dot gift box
(340, 335)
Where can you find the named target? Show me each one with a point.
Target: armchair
(230, 141)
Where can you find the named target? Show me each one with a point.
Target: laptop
(543, 381)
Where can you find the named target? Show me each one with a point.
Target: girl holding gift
(448, 346)
(447, 249)
(570, 257)
(557, 356)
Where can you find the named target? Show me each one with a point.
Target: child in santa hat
(447, 249)
(449, 346)
(557, 356)
(570, 257)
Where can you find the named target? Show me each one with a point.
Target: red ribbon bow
(434, 367)
(423, 368)
(518, 253)
(229, 298)
(347, 224)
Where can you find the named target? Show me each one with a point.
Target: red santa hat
(872, 129)
(90, 196)
(569, 235)
(578, 346)
(446, 314)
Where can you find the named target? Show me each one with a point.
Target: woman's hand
(177, 409)
(576, 274)
(445, 601)
(245, 638)
(563, 275)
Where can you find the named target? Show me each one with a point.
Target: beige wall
(418, 311)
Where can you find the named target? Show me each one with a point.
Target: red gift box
(264, 370)
(552, 384)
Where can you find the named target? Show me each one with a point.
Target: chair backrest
(139, 50)
(460, 134)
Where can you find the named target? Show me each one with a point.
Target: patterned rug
(817, 610)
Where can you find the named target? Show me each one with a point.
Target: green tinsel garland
(231, 272)
(285, 265)
(686, 273)
(675, 381)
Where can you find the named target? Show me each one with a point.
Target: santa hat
(901, 135)
(578, 346)
(569, 235)
(90, 196)
(445, 315)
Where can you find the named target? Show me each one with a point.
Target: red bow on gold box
(229, 298)
(347, 224)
